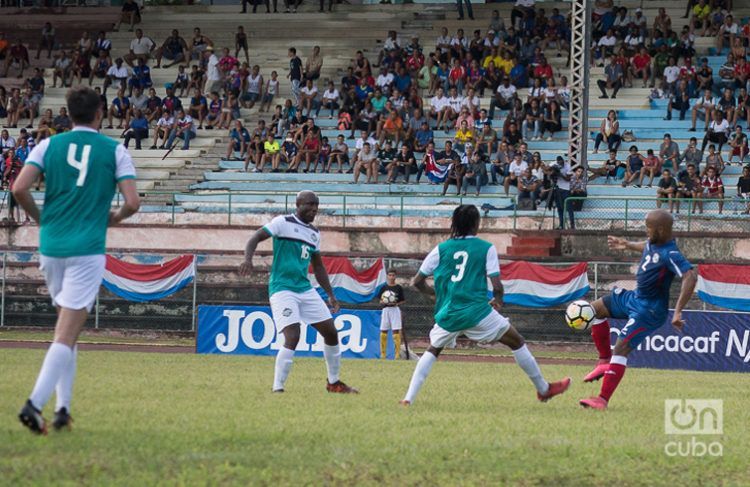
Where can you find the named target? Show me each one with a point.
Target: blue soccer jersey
(659, 265)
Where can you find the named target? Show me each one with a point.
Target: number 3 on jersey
(463, 256)
(82, 165)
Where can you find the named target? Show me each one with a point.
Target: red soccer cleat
(601, 367)
(596, 402)
(340, 388)
(405, 403)
(555, 388)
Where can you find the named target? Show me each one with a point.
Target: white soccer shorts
(73, 282)
(489, 330)
(390, 318)
(288, 308)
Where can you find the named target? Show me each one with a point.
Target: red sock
(600, 334)
(612, 378)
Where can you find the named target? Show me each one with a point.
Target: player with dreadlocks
(460, 267)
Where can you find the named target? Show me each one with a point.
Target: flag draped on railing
(725, 285)
(537, 286)
(350, 285)
(141, 283)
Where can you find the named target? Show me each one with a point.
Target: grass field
(181, 419)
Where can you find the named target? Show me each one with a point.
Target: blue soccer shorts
(644, 317)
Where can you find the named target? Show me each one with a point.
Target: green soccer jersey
(294, 242)
(81, 171)
(461, 267)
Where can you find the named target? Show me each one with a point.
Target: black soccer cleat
(32, 418)
(63, 420)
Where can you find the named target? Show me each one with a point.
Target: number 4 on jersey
(82, 165)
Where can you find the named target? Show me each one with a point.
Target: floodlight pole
(580, 58)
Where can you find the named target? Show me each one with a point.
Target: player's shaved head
(659, 226)
(307, 206)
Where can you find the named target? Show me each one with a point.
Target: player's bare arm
(497, 292)
(22, 190)
(689, 281)
(319, 269)
(131, 205)
(420, 282)
(247, 266)
(618, 243)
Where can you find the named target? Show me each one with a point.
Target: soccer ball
(579, 315)
(389, 297)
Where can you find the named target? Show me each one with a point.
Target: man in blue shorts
(646, 308)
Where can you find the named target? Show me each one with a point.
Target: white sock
(332, 354)
(55, 363)
(64, 388)
(527, 362)
(420, 374)
(283, 366)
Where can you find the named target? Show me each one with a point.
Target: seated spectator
(80, 68)
(486, 140)
(130, 14)
(578, 190)
(62, 122)
(13, 108)
(62, 69)
(141, 77)
(393, 128)
(727, 33)
(271, 91)
(704, 106)
(718, 131)
(339, 154)
(118, 74)
(640, 67)
(670, 76)
(6, 141)
(17, 55)
(680, 101)
(500, 162)
(47, 40)
(213, 116)
(669, 153)
(119, 108)
(533, 115)
(141, 47)
(609, 169)
(404, 163)
(743, 188)
(713, 188)
(738, 144)
(634, 164)
(613, 79)
(255, 153)
(308, 98)
(183, 128)
(101, 67)
(324, 155)
(529, 186)
(153, 106)
(552, 121)
(465, 136)
(29, 107)
(504, 97)
(651, 166)
(137, 129)
(476, 172)
(239, 138)
(689, 187)
(310, 150)
(289, 152)
(272, 152)
(313, 65)
(692, 155)
(199, 44)
(101, 45)
(713, 159)
(515, 171)
(198, 108)
(609, 132)
(174, 49)
(423, 137)
(367, 162)
(230, 110)
(666, 190)
(253, 88)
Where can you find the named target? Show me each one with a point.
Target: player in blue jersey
(646, 308)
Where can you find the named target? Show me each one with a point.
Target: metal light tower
(580, 53)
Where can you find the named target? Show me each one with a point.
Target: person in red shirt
(640, 67)
(310, 150)
(543, 71)
(741, 71)
(713, 187)
(687, 72)
(456, 76)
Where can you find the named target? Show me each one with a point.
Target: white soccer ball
(579, 315)
(388, 297)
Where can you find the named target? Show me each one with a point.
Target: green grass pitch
(180, 419)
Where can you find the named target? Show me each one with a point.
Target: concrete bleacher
(202, 178)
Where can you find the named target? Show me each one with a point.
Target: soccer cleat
(601, 367)
(32, 418)
(275, 391)
(63, 420)
(405, 403)
(340, 388)
(596, 402)
(555, 389)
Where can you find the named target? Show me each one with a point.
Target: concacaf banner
(142, 283)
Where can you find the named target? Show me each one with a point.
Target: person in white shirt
(515, 170)
(718, 131)
(330, 100)
(472, 102)
(117, 73)
(363, 139)
(384, 80)
(391, 43)
(438, 108)
(163, 127)
(727, 32)
(213, 76)
(443, 44)
(454, 107)
(308, 97)
(604, 47)
(6, 141)
(140, 48)
(705, 106)
(504, 96)
(671, 75)
(459, 45)
(184, 128)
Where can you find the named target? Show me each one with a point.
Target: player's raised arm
(22, 190)
(617, 243)
(689, 281)
(260, 235)
(321, 275)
